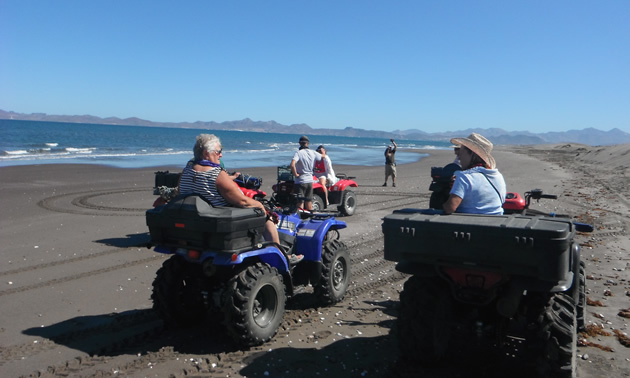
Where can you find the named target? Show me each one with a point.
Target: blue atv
(221, 264)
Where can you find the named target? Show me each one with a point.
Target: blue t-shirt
(477, 194)
(304, 164)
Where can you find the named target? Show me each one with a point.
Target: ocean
(35, 142)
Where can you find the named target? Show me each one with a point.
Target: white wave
(346, 145)
(52, 144)
(171, 152)
(16, 152)
(237, 151)
(79, 150)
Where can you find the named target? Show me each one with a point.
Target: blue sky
(379, 65)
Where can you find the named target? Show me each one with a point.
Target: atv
(221, 265)
(339, 194)
(491, 281)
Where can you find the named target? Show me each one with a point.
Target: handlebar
(343, 176)
(537, 194)
(549, 196)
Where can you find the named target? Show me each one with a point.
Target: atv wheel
(424, 329)
(348, 203)
(177, 294)
(335, 272)
(318, 202)
(581, 306)
(254, 304)
(558, 338)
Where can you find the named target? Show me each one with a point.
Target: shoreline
(21, 163)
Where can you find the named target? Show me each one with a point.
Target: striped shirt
(202, 183)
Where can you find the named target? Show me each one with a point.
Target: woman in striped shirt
(203, 175)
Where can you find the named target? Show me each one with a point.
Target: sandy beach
(76, 279)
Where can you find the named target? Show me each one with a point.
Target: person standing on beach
(479, 188)
(390, 162)
(302, 166)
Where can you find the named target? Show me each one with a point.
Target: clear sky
(379, 65)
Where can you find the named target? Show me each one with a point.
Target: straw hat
(479, 145)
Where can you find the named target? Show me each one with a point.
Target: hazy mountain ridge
(588, 136)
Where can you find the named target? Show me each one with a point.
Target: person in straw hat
(479, 188)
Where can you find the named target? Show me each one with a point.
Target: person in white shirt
(302, 166)
(324, 171)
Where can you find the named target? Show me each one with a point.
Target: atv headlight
(306, 232)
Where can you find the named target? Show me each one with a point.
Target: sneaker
(385, 184)
(394, 184)
(294, 259)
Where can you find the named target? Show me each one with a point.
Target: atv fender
(341, 185)
(310, 236)
(577, 257)
(269, 255)
(253, 193)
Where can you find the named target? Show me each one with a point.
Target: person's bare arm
(233, 194)
(394, 143)
(451, 204)
(293, 170)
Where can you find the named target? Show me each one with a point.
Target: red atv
(250, 186)
(339, 194)
(511, 285)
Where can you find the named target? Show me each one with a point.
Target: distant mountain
(589, 136)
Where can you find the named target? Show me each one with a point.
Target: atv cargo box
(191, 222)
(530, 246)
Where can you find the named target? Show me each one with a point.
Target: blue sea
(34, 142)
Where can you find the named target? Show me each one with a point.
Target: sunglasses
(219, 152)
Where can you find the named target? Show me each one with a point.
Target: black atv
(492, 281)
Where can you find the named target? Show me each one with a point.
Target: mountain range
(588, 136)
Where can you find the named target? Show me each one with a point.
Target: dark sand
(76, 282)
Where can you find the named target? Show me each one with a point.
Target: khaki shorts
(390, 170)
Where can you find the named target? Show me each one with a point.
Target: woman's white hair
(205, 142)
